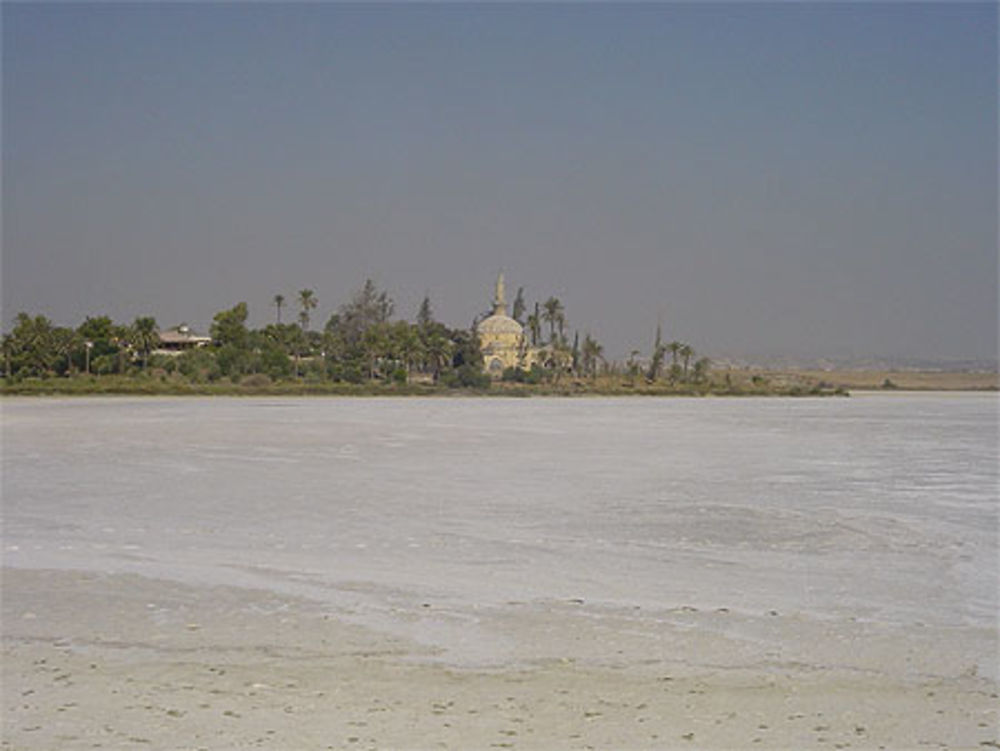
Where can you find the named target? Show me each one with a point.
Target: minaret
(499, 305)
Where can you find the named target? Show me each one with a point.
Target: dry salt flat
(500, 573)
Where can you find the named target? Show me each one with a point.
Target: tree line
(360, 342)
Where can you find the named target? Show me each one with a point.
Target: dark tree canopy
(360, 342)
(425, 316)
(517, 312)
(368, 307)
(229, 326)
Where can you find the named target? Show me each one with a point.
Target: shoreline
(737, 383)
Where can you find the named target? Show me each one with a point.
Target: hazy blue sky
(765, 178)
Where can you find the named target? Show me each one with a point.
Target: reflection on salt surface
(884, 506)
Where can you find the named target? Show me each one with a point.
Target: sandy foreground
(121, 661)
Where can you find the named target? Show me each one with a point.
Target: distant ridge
(777, 362)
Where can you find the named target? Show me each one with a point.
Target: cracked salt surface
(879, 509)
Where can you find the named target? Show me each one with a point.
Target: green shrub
(469, 376)
(198, 365)
(256, 381)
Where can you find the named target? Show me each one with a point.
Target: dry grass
(901, 379)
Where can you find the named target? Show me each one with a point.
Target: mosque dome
(499, 326)
(500, 337)
(498, 323)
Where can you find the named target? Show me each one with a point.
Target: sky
(812, 179)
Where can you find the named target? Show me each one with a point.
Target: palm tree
(438, 350)
(592, 352)
(560, 358)
(143, 337)
(656, 361)
(553, 316)
(375, 343)
(674, 347)
(279, 300)
(64, 342)
(632, 365)
(701, 369)
(307, 301)
(686, 352)
(294, 339)
(535, 327)
(120, 339)
(406, 343)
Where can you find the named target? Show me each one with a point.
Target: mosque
(501, 339)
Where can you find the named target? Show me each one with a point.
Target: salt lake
(879, 508)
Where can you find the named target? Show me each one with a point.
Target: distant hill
(857, 364)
